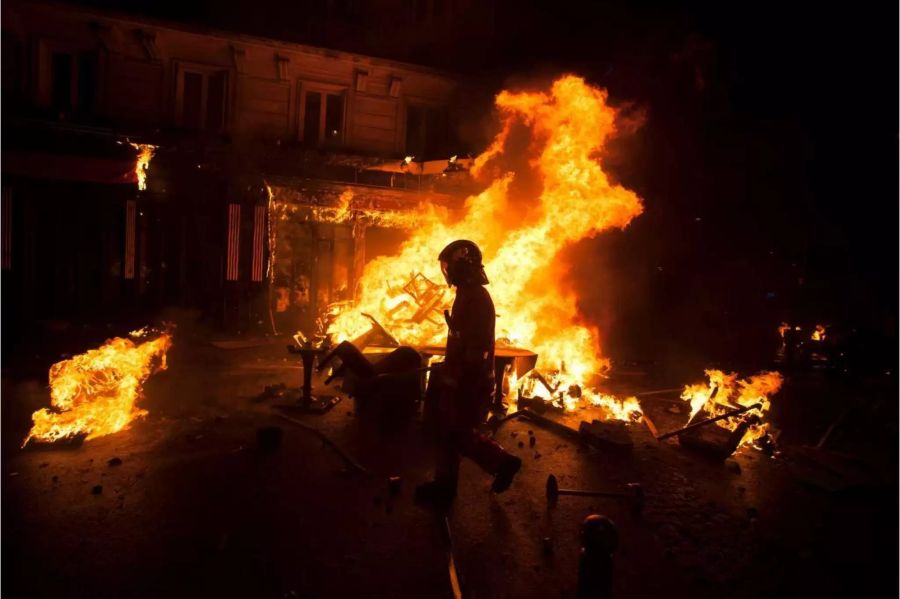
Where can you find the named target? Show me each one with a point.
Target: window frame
(42, 92)
(206, 71)
(324, 90)
(425, 105)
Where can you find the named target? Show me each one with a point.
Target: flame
(819, 333)
(346, 211)
(95, 393)
(725, 391)
(142, 163)
(569, 126)
(783, 328)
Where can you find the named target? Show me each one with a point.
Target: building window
(202, 99)
(323, 118)
(426, 132)
(73, 82)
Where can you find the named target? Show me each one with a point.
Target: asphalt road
(196, 509)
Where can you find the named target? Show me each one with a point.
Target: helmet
(598, 533)
(461, 264)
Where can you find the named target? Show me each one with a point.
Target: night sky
(768, 159)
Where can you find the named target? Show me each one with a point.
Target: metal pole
(729, 414)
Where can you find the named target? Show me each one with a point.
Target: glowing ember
(95, 393)
(142, 164)
(819, 333)
(783, 328)
(725, 392)
(569, 127)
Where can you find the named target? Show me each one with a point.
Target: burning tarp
(95, 393)
(569, 125)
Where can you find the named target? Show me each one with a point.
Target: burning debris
(818, 334)
(569, 125)
(725, 393)
(142, 164)
(568, 395)
(95, 393)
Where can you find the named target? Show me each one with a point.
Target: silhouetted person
(467, 380)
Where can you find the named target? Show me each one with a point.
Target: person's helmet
(599, 534)
(461, 264)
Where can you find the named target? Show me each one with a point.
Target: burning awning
(340, 202)
(429, 167)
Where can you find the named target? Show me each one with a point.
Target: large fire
(725, 391)
(569, 126)
(96, 393)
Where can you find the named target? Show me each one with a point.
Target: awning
(429, 167)
(42, 165)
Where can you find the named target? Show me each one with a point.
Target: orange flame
(724, 392)
(95, 393)
(569, 126)
(142, 163)
(345, 211)
(819, 333)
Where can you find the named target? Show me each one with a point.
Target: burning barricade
(569, 126)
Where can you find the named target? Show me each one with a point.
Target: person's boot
(437, 493)
(508, 469)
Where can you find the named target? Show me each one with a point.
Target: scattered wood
(714, 441)
(701, 423)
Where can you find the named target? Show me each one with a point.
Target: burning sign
(96, 393)
(569, 126)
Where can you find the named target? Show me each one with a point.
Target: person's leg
(472, 403)
(446, 468)
(482, 450)
(491, 458)
(441, 491)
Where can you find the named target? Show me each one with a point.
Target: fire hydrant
(599, 539)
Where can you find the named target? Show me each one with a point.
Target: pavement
(197, 509)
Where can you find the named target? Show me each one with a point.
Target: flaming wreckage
(547, 359)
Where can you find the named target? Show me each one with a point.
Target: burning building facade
(146, 163)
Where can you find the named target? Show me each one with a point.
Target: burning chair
(388, 388)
